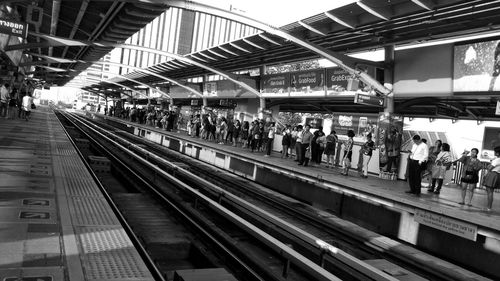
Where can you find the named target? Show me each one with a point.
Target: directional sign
(36, 202)
(34, 215)
(34, 278)
(14, 28)
(368, 100)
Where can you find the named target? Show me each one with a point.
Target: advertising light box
(476, 67)
(275, 85)
(307, 83)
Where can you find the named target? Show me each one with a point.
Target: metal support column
(389, 78)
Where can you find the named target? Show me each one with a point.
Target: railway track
(318, 237)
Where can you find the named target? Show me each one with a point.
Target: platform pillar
(262, 107)
(389, 78)
(205, 104)
(171, 104)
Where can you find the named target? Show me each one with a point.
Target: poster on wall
(275, 85)
(389, 140)
(307, 83)
(315, 123)
(362, 125)
(491, 139)
(339, 82)
(476, 67)
(210, 89)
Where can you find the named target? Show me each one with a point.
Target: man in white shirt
(418, 158)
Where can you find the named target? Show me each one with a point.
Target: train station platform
(55, 223)
(434, 223)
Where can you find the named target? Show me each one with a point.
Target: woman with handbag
(441, 164)
(492, 179)
(470, 174)
(349, 144)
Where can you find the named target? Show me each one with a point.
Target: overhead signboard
(368, 100)
(275, 85)
(307, 83)
(13, 28)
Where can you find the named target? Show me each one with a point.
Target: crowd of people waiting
(15, 104)
(307, 148)
(431, 163)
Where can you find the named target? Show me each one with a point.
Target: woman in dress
(470, 174)
(441, 164)
(349, 144)
(331, 141)
(492, 179)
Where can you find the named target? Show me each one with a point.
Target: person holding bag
(492, 179)
(441, 164)
(470, 174)
(346, 161)
(367, 151)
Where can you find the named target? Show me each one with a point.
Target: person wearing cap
(367, 150)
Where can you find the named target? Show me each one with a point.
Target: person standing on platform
(331, 141)
(346, 160)
(441, 164)
(286, 141)
(433, 153)
(270, 139)
(470, 174)
(418, 157)
(236, 132)
(255, 132)
(4, 100)
(307, 137)
(27, 101)
(314, 145)
(244, 133)
(367, 151)
(13, 104)
(321, 141)
(293, 135)
(298, 144)
(492, 179)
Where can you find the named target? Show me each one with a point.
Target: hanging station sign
(13, 28)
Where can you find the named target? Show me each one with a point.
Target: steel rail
(278, 247)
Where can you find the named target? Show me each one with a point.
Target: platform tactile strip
(82, 187)
(108, 254)
(65, 148)
(92, 211)
(73, 167)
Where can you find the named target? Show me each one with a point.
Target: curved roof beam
(117, 84)
(342, 61)
(133, 80)
(98, 62)
(339, 21)
(173, 81)
(376, 12)
(58, 41)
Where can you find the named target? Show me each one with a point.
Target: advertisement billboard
(275, 85)
(307, 83)
(340, 82)
(476, 67)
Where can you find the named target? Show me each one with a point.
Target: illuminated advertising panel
(476, 67)
(275, 85)
(308, 83)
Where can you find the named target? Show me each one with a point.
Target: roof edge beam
(339, 21)
(376, 12)
(309, 27)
